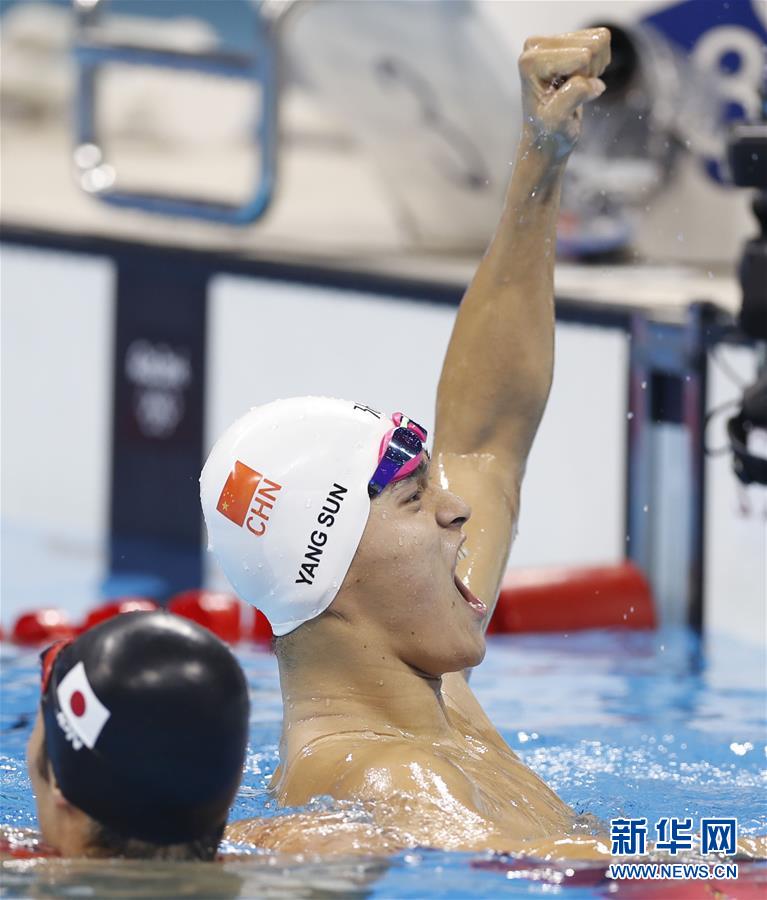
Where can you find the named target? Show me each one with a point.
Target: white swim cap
(285, 497)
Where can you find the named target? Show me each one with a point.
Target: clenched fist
(559, 74)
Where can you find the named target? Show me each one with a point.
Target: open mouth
(474, 602)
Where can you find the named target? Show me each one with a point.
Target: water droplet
(644, 385)
(645, 508)
(630, 415)
(308, 504)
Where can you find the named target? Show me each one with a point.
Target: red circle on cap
(77, 703)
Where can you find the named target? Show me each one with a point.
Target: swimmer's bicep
(491, 487)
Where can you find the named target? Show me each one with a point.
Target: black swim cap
(146, 725)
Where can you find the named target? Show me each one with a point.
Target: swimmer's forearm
(498, 369)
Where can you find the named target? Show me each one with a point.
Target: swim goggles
(399, 454)
(48, 660)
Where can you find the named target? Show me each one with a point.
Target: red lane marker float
(219, 612)
(42, 626)
(262, 630)
(24, 845)
(116, 608)
(554, 599)
(571, 599)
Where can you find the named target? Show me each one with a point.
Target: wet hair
(106, 842)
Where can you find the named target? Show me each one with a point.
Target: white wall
(56, 313)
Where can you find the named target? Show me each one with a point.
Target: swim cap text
(317, 539)
(247, 498)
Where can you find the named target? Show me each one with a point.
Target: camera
(747, 156)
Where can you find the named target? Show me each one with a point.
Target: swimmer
(377, 565)
(139, 742)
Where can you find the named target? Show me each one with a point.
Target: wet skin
(381, 725)
(376, 707)
(63, 827)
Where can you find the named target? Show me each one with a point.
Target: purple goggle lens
(401, 454)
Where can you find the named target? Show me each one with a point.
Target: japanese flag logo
(85, 714)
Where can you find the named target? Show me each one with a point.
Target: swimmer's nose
(452, 511)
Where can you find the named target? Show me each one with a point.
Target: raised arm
(497, 372)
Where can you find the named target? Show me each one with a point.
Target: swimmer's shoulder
(369, 767)
(314, 767)
(404, 770)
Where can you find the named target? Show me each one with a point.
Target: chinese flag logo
(238, 491)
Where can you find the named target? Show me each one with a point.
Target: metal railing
(261, 68)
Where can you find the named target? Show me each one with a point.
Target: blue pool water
(618, 723)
